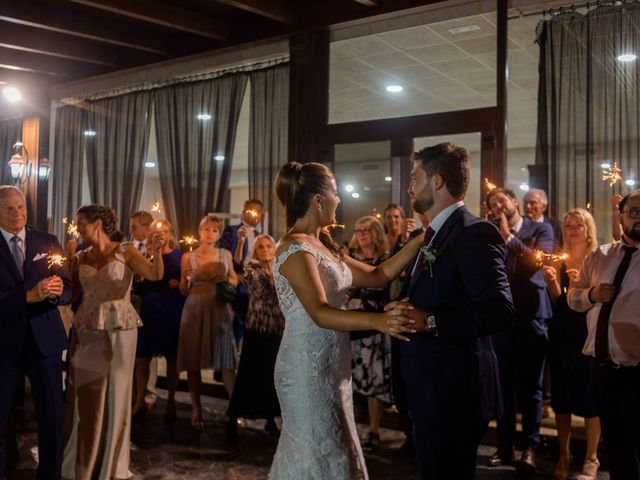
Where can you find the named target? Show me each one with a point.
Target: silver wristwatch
(430, 326)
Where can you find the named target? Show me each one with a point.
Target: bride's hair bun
(107, 214)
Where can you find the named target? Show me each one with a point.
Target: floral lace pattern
(313, 380)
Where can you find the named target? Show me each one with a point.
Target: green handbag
(225, 292)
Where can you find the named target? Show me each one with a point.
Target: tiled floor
(173, 451)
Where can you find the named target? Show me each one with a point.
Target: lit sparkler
(337, 225)
(190, 241)
(156, 207)
(54, 260)
(543, 258)
(253, 213)
(490, 185)
(612, 174)
(72, 228)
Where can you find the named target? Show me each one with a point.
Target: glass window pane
(362, 172)
(442, 64)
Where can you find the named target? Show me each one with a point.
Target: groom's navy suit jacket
(454, 374)
(32, 338)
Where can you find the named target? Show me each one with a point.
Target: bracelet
(430, 326)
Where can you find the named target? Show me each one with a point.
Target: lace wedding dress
(313, 380)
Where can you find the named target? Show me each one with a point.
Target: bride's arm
(366, 276)
(301, 270)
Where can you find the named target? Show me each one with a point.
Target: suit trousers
(522, 356)
(45, 376)
(617, 393)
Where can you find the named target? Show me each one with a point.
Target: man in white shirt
(609, 291)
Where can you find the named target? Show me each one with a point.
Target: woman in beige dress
(206, 330)
(103, 347)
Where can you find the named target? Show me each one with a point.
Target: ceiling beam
(83, 24)
(279, 10)
(33, 62)
(165, 15)
(29, 39)
(368, 3)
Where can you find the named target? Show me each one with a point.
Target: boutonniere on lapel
(428, 258)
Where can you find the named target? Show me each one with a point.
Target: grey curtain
(116, 153)
(193, 182)
(10, 133)
(588, 108)
(67, 167)
(268, 136)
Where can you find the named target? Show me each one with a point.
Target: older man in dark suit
(534, 206)
(32, 336)
(459, 295)
(522, 352)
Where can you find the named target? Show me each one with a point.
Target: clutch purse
(225, 292)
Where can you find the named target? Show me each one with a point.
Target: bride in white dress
(313, 369)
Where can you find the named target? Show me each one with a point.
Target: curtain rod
(189, 78)
(571, 8)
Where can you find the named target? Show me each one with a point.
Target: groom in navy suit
(458, 295)
(32, 336)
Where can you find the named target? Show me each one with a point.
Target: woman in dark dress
(371, 361)
(160, 313)
(571, 390)
(254, 394)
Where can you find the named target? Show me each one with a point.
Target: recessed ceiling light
(89, 133)
(348, 188)
(149, 164)
(524, 187)
(12, 94)
(464, 29)
(605, 165)
(387, 179)
(204, 116)
(627, 57)
(355, 195)
(394, 88)
(630, 182)
(219, 158)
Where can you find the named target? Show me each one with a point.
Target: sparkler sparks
(543, 258)
(54, 259)
(337, 225)
(612, 174)
(190, 241)
(72, 228)
(156, 207)
(490, 185)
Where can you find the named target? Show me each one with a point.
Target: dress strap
(294, 247)
(194, 260)
(222, 256)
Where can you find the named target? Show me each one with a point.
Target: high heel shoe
(563, 468)
(589, 470)
(197, 424)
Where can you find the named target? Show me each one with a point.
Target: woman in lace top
(313, 368)
(102, 349)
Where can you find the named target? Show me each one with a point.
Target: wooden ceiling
(48, 42)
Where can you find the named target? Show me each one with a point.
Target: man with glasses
(609, 289)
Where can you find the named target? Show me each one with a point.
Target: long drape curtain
(588, 108)
(268, 134)
(116, 151)
(196, 126)
(10, 133)
(67, 166)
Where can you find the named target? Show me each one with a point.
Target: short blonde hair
(209, 218)
(587, 218)
(380, 243)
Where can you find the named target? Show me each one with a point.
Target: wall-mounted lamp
(44, 169)
(20, 167)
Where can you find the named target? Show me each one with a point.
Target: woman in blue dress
(161, 311)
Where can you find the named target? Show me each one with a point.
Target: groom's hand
(405, 309)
